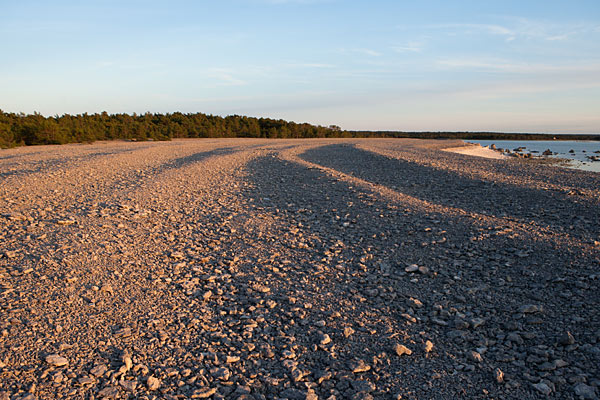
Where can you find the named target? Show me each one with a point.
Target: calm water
(578, 158)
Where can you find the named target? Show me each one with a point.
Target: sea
(577, 153)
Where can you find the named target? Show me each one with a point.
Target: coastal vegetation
(18, 129)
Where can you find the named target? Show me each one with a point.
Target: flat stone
(585, 391)
(56, 360)
(359, 366)
(542, 388)
(109, 392)
(530, 309)
(203, 393)
(99, 370)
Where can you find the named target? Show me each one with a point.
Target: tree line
(18, 129)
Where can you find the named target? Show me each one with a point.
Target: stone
(203, 393)
(477, 322)
(428, 346)
(123, 333)
(585, 391)
(359, 366)
(153, 383)
(415, 302)
(542, 388)
(401, 350)
(530, 309)
(99, 370)
(498, 375)
(324, 339)
(348, 332)
(85, 380)
(566, 339)
(232, 359)
(56, 360)
(222, 373)
(130, 386)
(412, 268)
(110, 392)
(474, 356)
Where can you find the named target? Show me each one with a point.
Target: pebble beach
(295, 269)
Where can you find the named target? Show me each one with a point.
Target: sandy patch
(477, 151)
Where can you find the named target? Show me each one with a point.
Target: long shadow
(182, 162)
(379, 240)
(546, 208)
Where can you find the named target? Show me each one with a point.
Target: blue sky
(380, 65)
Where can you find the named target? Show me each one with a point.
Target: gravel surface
(295, 269)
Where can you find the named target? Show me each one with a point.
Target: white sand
(477, 151)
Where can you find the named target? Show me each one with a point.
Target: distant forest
(18, 129)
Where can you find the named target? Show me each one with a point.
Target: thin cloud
(512, 67)
(225, 76)
(410, 47)
(311, 65)
(367, 52)
(519, 27)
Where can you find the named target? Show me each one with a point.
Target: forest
(18, 129)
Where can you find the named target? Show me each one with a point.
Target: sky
(513, 66)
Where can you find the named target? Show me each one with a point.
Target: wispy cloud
(491, 29)
(515, 67)
(310, 65)
(363, 51)
(410, 47)
(519, 27)
(225, 76)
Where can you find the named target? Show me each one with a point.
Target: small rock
(348, 332)
(498, 375)
(400, 349)
(475, 356)
(412, 268)
(99, 370)
(153, 383)
(221, 373)
(423, 270)
(128, 385)
(85, 380)
(566, 339)
(123, 333)
(477, 322)
(428, 346)
(543, 388)
(109, 392)
(415, 302)
(56, 360)
(107, 289)
(203, 393)
(232, 359)
(530, 309)
(359, 366)
(324, 339)
(584, 391)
